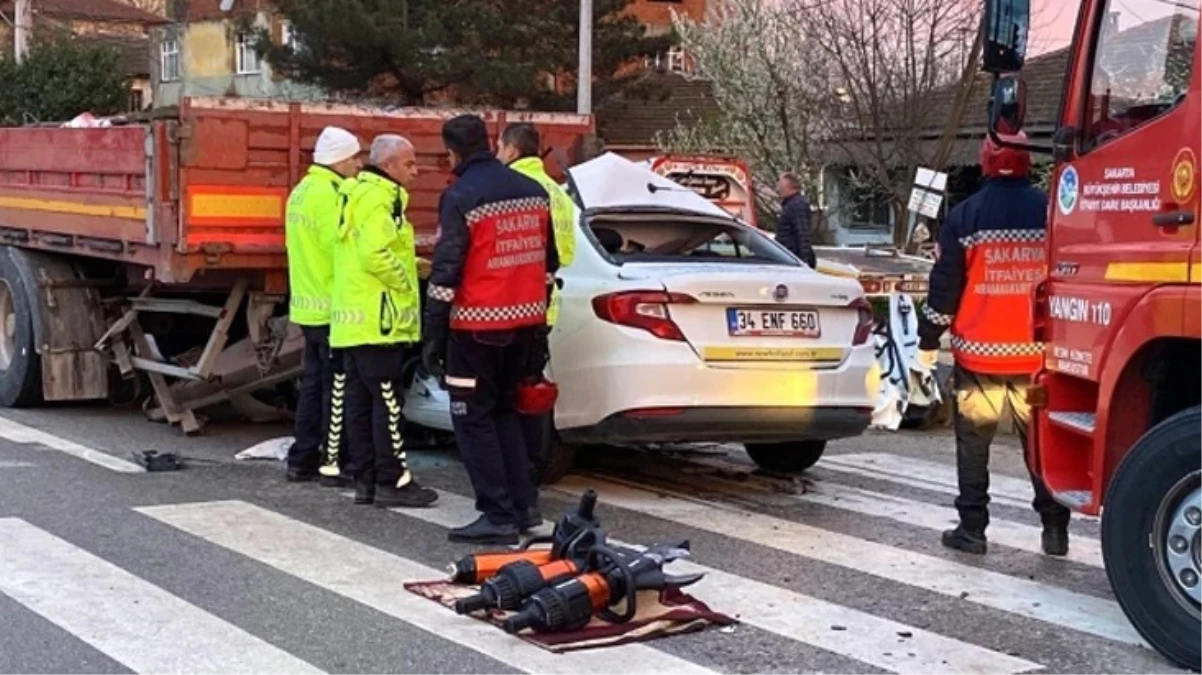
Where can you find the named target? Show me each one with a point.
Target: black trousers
(483, 372)
(322, 385)
(536, 432)
(981, 400)
(374, 399)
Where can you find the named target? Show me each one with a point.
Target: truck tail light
(1039, 312)
(865, 320)
(647, 310)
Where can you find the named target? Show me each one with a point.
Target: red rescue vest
(504, 282)
(992, 330)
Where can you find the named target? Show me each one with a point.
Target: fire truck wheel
(1150, 537)
(786, 457)
(20, 365)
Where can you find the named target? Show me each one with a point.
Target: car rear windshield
(668, 239)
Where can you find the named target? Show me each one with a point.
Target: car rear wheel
(786, 457)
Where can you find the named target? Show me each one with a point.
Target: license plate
(773, 322)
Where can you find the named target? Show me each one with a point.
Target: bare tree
(890, 58)
(767, 84)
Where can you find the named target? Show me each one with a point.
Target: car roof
(613, 183)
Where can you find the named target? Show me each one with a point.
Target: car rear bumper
(724, 425)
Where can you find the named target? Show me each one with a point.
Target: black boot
(1055, 541)
(297, 475)
(531, 519)
(964, 540)
(411, 495)
(484, 531)
(365, 490)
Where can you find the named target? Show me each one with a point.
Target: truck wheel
(20, 365)
(786, 457)
(1150, 537)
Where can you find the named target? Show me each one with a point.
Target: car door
(1125, 205)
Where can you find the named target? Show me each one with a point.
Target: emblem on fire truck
(1185, 175)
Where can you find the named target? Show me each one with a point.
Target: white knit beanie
(335, 145)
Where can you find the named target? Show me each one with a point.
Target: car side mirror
(1006, 23)
(1008, 105)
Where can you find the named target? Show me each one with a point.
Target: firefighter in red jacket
(990, 254)
(486, 310)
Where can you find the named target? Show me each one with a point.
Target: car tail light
(865, 320)
(647, 310)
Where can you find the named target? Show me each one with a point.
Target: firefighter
(376, 318)
(990, 253)
(311, 227)
(519, 148)
(485, 311)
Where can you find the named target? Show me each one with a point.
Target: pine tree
(472, 52)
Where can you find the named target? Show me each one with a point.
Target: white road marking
(6, 464)
(867, 638)
(19, 433)
(376, 579)
(933, 476)
(1084, 550)
(127, 618)
(1023, 597)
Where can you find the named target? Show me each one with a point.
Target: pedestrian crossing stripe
(868, 638)
(115, 611)
(376, 579)
(1024, 597)
(26, 435)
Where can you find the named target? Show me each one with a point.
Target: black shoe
(412, 495)
(365, 491)
(336, 481)
(484, 531)
(531, 519)
(295, 475)
(1055, 541)
(963, 540)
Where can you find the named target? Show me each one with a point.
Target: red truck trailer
(156, 246)
(1116, 426)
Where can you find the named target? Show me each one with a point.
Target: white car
(681, 324)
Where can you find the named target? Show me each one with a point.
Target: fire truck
(1115, 408)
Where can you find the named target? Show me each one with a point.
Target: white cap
(335, 145)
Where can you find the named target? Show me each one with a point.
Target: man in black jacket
(793, 229)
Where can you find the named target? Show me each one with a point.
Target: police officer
(990, 251)
(486, 308)
(519, 148)
(376, 316)
(311, 226)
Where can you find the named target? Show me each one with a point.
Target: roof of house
(95, 10)
(210, 10)
(672, 97)
(134, 51)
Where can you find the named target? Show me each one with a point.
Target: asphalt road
(223, 567)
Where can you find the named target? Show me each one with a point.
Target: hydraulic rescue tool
(576, 533)
(517, 581)
(614, 577)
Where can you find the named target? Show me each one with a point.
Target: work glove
(928, 359)
(433, 356)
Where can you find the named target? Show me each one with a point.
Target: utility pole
(584, 69)
(22, 26)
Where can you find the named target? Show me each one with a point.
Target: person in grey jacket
(793, 228)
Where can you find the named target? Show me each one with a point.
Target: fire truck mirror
(1008, 107)
(1005, 45)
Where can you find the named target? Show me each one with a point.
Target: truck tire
(786, 457)
(20, 365)
(1151, 510)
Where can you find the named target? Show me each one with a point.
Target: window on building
(287, 35)
(137, 100)
(672, 61)
(169, 60)
(1142, 66)
(246, 59)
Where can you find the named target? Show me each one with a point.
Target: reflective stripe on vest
(991, 331)
(505, 271)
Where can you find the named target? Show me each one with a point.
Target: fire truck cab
(1115, 419)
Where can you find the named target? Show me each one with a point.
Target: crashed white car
(680, 324)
